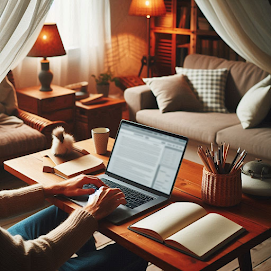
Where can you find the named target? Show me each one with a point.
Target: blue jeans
(113, 257)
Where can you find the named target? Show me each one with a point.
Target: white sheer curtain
(20, 24)
(244, 25)
(84, 27)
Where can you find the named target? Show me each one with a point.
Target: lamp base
(45, 76)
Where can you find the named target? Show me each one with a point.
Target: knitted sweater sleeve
(13, 202)
(50, 251)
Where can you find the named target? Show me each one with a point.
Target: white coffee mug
(100, 138)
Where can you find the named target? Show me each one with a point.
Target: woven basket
(221, 190)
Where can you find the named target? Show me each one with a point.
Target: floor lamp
(149, 9)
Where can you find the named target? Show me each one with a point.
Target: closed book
(187, 227)
(82, 165)
(95, 98)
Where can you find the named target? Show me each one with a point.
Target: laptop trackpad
(120, 214)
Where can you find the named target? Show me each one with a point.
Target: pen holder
(221, 190)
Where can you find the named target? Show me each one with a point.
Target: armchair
(31, 136)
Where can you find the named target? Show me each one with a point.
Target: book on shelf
(183, 17)
(206, 46)
(187, 227)
(203, 24)
(181, 53)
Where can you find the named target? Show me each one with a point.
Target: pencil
(226, 154)
(211, 164)
(203, 158)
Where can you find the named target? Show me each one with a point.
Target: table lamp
(48, 44)
(147, 8)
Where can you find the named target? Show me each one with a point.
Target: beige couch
(202, 128)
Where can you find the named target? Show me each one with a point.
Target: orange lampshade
(147, 8)
(48, 43)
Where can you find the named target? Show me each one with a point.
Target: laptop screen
(147, 156)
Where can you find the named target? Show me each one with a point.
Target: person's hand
(106, 202)
(73, 186)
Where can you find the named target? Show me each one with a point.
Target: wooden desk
(253, 214)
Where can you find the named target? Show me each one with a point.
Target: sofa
(21, 132)
(225, 123)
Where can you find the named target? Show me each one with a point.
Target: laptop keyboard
(133, 197)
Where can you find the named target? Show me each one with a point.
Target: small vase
(103, 89)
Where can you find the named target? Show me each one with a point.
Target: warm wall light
(149, 9)
(48, 44)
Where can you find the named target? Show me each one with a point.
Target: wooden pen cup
(222, 190)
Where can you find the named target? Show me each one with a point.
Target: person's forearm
(13, 202)
(51, 190)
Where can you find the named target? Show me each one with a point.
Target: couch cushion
(173, 93)
(209, 86)
(201, 127)
(8, 98)
(242, 75)
(255, 104)
(256, 141)
(20, 140)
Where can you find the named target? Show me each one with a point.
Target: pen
(234, 159)
(240, 161)
(218, 162)
(212, 149)
(222, 154)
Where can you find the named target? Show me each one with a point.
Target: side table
(58, 104)
(108, 114)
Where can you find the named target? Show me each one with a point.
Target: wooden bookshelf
(184, 30)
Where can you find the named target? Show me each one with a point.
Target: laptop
(144, 164)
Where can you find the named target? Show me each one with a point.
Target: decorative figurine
(62, 143)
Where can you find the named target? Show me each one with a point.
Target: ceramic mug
(100, 138)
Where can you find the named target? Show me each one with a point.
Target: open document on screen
(147, 157)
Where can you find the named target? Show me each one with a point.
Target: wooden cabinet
(58, 104)
(108, 114)
(184, 30)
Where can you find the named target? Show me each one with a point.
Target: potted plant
(103, 82)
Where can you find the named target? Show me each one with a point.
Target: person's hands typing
(104, 202)
(73, 186)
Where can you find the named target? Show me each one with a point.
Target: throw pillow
(255, 104)
(173, 93)
(8, 98)
(209, 86)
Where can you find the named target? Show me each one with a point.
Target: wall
(128, 38)
(129, 35)
(129, 41)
